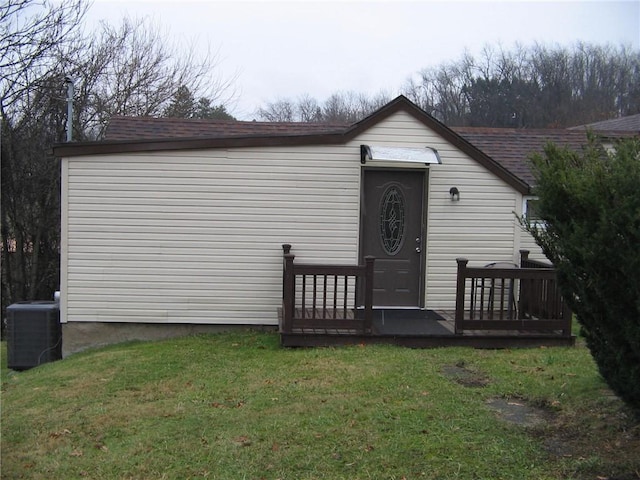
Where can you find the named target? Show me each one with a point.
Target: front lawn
(237, 406)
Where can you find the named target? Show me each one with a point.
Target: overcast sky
(287, 49)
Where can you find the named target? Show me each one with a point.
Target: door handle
(418, 250)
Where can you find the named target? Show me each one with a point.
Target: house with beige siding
(176, 226)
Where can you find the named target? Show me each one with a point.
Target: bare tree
(30, 198)
(339, 107)
(309, 109)
(31, 34)
(282, 110)
(538, 86)
(349, 107)
(440, 91)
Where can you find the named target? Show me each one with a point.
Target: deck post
(368, 293)
(288, 293)
(567, 318)
(460, 287)
(286, 248)
(524, 256)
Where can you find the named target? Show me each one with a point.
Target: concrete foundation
(78, 336)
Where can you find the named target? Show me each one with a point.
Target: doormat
(408, 322)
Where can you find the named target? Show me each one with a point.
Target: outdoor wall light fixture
(455, 194)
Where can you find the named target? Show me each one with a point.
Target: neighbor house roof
(505, 152)
(630, 123)
(513, 147)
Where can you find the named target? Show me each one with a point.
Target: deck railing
(526, 262)
(524, 299)
(336, 297)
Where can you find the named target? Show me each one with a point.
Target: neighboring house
(172, 226)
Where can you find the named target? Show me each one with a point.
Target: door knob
(418, 250)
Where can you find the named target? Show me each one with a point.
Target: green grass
(237, 406)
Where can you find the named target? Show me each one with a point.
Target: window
(530, 211)
(392, 221)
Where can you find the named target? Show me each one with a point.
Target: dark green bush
(589, 202)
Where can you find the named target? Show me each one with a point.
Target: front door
(392, 231)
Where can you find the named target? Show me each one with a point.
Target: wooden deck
(519, 306)
(436, 330)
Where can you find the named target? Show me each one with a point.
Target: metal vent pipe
(69, 82)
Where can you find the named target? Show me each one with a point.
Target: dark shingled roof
(148, 128)
(512, 147)
(630, 123)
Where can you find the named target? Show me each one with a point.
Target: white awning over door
(373, 153)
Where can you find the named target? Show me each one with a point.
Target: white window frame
(525, 207)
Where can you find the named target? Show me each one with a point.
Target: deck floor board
(415, 328)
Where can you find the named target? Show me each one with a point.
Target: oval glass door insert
(392, 224)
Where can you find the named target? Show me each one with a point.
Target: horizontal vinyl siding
(195, 237)
(479, 227)
(528, 243)
(399, 130)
